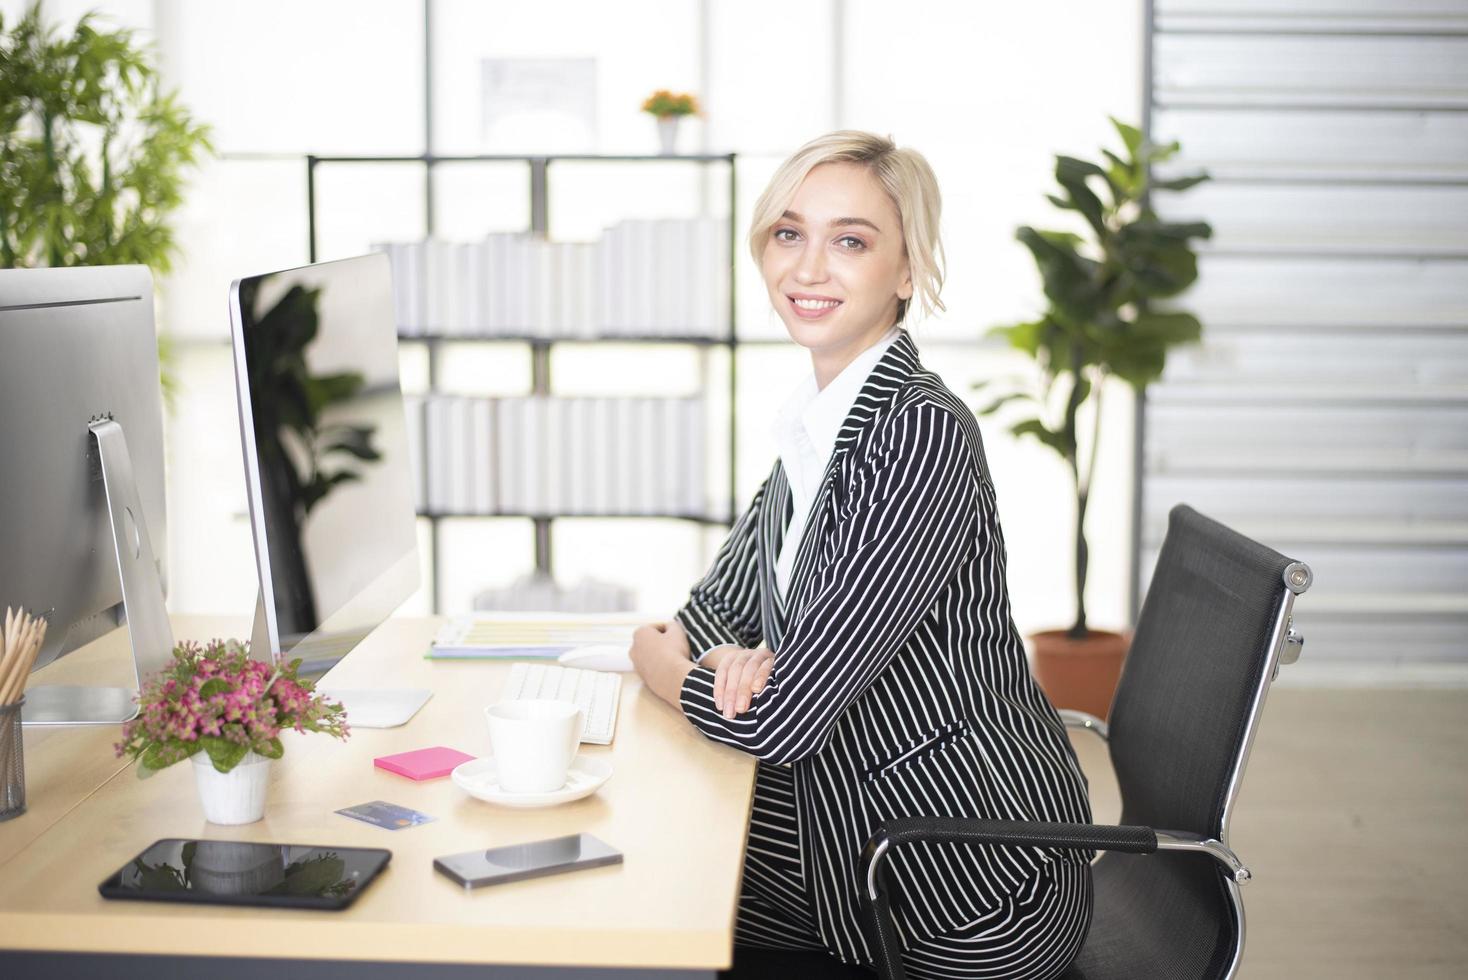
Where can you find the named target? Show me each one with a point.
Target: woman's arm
(661, 657)
(913, 519)
(723, 607)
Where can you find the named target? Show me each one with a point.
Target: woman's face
(834, 263)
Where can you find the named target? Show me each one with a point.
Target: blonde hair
(906, 177)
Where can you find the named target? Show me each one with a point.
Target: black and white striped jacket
(899, 684)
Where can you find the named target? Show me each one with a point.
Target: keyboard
(596, 692)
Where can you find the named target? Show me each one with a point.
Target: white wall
(987, 92)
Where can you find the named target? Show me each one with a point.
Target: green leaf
(1180, 183)
(1071, 279)
(270, 748)
(222, 752)
(1171, 270)
(212, 687)
(997, 403)
(1022, 336)
(355, 440)
(1037, 429)
(160, 755)
(1130, 135)
(1071, 174)
(1167, 328)
(1139, 364)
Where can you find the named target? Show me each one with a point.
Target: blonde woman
(854, 631)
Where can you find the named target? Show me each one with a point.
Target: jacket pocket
(919, 748)
(939, 888)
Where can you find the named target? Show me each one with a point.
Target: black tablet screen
(240, 873)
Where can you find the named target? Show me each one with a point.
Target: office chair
(1212, 632)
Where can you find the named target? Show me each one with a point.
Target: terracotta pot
(1079, 674)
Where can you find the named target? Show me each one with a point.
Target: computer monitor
(82, 521)
(326, 455)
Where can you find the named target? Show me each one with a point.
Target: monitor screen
(326, 452)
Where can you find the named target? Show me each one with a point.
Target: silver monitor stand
(142, 601)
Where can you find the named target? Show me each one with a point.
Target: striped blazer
(899, 685)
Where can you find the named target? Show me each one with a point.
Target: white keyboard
(595, 692)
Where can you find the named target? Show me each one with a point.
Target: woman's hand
(741, 674)
(660, 655)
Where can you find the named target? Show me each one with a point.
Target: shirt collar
(823, 411)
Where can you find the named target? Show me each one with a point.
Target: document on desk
(520, 635)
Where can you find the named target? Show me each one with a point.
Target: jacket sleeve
(723, 607)
(910, 520)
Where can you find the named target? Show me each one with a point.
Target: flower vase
(668, 134)
(233, 797)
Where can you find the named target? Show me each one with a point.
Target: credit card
(388, 816)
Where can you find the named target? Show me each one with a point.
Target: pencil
(24, 636)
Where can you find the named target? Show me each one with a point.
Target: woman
(854, 632)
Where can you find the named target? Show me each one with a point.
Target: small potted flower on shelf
(669, 108)
(226, 712)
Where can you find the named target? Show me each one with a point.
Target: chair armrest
(1002, 833)
(887, 951)
(1079, 719)
(876, 902)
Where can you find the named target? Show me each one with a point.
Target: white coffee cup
(534, 742)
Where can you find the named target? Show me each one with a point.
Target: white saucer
(480, 779)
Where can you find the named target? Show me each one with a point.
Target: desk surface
(677, 806)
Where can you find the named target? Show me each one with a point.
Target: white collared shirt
(805, 430)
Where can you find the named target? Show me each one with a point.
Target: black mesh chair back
(1206, 644)
(1213, 630)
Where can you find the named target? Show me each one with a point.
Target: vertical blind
(1326, 411)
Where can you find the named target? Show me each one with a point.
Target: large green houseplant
(93, 151)
(1099, 322)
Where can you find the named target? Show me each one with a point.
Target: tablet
(305, 876)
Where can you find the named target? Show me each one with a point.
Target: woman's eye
(852, 238)
(783, 231)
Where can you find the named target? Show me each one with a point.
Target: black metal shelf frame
(540, 346)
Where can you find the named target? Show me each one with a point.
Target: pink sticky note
(430, 763)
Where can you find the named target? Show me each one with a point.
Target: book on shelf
(549, 455)
(413, 419)
(659, 277)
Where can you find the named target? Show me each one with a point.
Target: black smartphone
(516, 862)
(221, 872)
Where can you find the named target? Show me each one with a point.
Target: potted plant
(226, 712)
(1099, 322)
(92, 150)
(669, 108)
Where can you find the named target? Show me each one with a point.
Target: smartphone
(515, 862)
(243, 873)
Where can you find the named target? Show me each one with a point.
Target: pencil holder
(12, 762)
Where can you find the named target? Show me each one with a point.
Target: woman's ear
(904, 291)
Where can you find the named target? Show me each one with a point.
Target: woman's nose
(812, 266)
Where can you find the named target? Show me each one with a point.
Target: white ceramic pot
(668, 134)
(233, 797)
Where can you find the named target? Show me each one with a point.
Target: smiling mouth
(814, 308)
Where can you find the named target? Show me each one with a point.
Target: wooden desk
(677, 806)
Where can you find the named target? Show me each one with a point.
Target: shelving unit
(540, 346)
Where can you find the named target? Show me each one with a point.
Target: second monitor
(326, 455)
